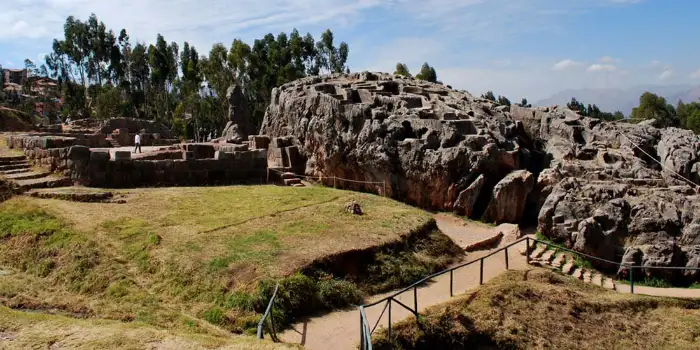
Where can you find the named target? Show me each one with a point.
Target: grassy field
(23, 330)
(185, 259)
(539, 309)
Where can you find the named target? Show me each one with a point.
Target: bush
(338, 293)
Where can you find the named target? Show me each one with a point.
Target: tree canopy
(104, 74)
(427, 73)
(593, 111)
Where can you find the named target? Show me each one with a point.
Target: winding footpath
(341, 329)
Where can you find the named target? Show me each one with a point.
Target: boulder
(420, 138)
(508, 198)
(238, 128)
(466, 199)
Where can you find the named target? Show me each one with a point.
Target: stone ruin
(588, 184)
(238, 127)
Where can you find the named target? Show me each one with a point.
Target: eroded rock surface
(429, 143)
(592, 185)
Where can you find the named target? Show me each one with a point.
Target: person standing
(137, 142)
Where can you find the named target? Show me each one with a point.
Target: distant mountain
(611, 100)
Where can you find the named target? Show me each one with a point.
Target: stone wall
(95, 168)
(47, 140)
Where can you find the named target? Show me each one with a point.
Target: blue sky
(531, 48)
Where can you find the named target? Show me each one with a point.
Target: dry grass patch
(540, 309)
(22, 330)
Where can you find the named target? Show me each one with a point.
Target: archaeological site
(354, 185)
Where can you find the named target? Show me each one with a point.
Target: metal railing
(267, 315)
(366, 332)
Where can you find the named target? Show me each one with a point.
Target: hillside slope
(542, 309)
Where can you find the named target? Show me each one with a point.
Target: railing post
(334, 182)
(385, 194)
(415, 300)
(362, 331)
(481, 271)
(389, 333)
(506, 250)
(632, 280)
(451, 282)
(527, 249)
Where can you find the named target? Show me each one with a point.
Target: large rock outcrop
(427, 142)
(620, 191)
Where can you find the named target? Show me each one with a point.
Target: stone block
(279, 142)
(187, 155)
(201, 150)
(259, 141)
(294, 158)
(220, 155)
(99, 156)
(79, 152)
(122, 155)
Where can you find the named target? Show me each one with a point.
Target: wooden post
(385, 194)
(268, 175)
(334, 182)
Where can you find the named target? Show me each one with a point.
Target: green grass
(188, 258)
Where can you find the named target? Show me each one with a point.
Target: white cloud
(566, 64)
(666, 74)
(608, 59)
(696, 74)
(602, 68)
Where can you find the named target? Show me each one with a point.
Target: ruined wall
(95, 168)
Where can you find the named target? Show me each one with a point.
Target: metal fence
(366, 332)
(267, 315)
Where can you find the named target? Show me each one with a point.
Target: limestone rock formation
(595, 186)
(426, 141)
(508, 200)
(238, 127)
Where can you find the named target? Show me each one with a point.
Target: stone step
(597, 279)
(28, 175)
(288, 175)
(587, 276)
(23, 165)
(548, 256)
(43, 182)
(578, 273)
(568, 268)
(17, 171)
(290, 182)
(608, 283)
(12, 162)
(558, 262)
(299, 185)
(538, 252)
(12, 158)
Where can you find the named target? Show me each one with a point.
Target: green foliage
(427, 73)
(165, 81)
(402, 69)
(402, 265)
(593, 111)
(489, 96)
(523, 103)
(689, 115)
(503, 101)
(655, 107)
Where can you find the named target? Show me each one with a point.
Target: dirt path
(341, 329)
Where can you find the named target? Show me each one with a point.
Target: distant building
(15, 76)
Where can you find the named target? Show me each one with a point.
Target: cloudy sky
(531, 48)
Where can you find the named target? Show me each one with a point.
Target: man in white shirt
(137, 142)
